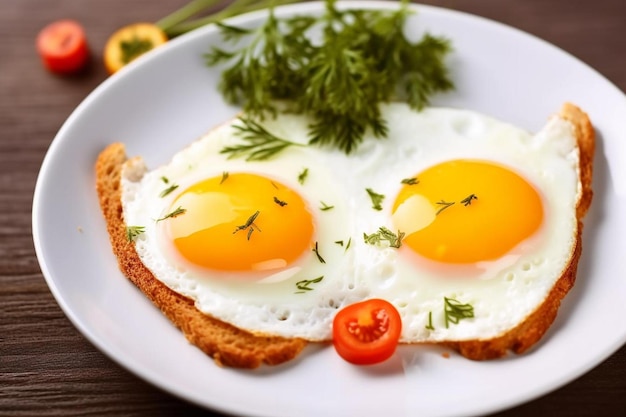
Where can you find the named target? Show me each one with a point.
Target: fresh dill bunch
(361, 59)
(268, 68)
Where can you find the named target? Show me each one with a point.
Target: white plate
(168, 98)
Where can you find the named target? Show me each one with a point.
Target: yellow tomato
(130, 42)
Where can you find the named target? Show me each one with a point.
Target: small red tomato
(62, 46)
(367, 332)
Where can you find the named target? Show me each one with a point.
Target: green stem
(235, 8)
(185, 12)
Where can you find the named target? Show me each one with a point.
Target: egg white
(502, 293)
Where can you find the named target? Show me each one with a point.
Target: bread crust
(530, 331)
(231, 346)
(226, 344)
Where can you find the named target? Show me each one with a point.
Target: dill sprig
(444, 205)
(177, 212)
(249, 224)
(361, 60)
(259, 145)
(304, 285)
(455, 311)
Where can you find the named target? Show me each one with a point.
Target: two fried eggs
(463, 222)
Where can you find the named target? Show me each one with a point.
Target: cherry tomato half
(62, 46)
(367, 332)
(130, 42)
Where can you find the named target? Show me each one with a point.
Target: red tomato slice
(367, 332)
(62, 46)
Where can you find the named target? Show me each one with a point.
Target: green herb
(444, 205)
(303, 285)
(362, 59)
(168, 190)
(260, 143)
(133, 231)
(468, 200)
(207, 11)
(377, 199)
(249, 224)
(326, 207)
(340, 243)
(280, 202)
(303, 175)
(224, 177)
(410, 181)
(165, 180)
(384, 235)
(456, 311)
(317, 253)
(430, 321)
(174, 213)
(133, 48)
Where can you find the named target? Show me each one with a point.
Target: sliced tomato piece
(367, 332)
(129, 42)
(62, 46)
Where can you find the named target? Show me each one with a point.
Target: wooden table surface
(47, 368)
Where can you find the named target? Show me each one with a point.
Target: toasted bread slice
(227, 344)
(234, 347)
(526, 334)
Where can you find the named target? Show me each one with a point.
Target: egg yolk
(466, 211)
(240, 222)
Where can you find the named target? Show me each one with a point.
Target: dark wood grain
(46, 367)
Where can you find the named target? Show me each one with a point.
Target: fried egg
(483, 213)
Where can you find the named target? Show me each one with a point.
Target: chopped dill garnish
(249, 224)
(165, 180)
(132, 232)
(456, 311)
(224, 177)
(317, 253)
(303, 285)
(430, 326)
(280, 202)
(339, 242)
(410, 181)
(302, 176)
(444, 205)
(173, 214)
(468, 200)
(168, 190)
(326, 207)
(377, 199)
(384, 235)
